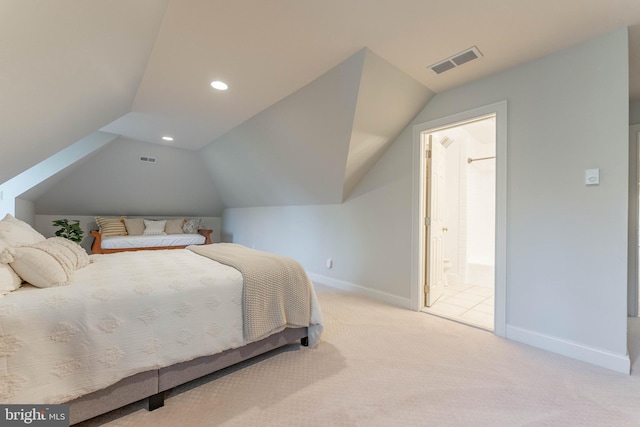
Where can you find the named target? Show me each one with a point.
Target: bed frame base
(156, 401)
(151, 385)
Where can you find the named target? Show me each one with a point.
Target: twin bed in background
(132, 234)
(117, 328)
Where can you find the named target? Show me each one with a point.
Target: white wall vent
(147, 159)
(456, 60)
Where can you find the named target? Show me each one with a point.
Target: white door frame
(632, 286)
(418, 207)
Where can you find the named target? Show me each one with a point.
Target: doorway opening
(460, 247)
(471, 242)
(633, 287)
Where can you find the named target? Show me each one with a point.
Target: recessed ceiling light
(167, 138)
(219, 85)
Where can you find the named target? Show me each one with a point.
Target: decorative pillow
(37, 267)
(154, 228)
(48, 263)
(15, 233)
(174, 226)
(111, 226)
(191, 226)
(135, 226)
(9, 280)
(81, 256)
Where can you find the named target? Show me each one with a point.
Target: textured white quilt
(123, 314)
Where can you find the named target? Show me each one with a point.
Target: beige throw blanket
(277, 291)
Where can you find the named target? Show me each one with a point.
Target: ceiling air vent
(456, 60)
(147, 159)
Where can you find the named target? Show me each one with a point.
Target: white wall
(566, 269)
(115, 182)
(368, 236)
(44, 173)
(567, 243)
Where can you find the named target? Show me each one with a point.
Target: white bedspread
(129, 242)
(123, 314)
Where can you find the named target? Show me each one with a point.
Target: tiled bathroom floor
(465, 303)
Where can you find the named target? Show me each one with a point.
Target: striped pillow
(111, 226)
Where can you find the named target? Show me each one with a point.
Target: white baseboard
(595, 356)
(371, 293)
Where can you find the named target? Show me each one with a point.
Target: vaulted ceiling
(142, 68)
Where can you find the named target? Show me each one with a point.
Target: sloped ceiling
(68, 68)
(313, 146)
(387, 101)
(141, 69)
(266, 50)
(295, 151)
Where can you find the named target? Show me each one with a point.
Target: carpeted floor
(379, 365)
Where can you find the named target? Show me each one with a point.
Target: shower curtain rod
(469, 160)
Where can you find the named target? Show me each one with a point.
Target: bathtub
(480, 274)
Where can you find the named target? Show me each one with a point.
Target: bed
(121, 234)
(130, 326)
(113, 244)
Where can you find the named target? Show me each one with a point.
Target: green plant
(69, 229)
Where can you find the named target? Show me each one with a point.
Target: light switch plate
(592, 176)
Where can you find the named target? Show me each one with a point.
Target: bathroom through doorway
(460, 241)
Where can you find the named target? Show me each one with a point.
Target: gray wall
(634, 112)
(116, 182)
(25, 211)
(567, 243)
(368, 236)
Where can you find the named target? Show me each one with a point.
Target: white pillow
(154, 228)
(3, 246)
(9, 280)
(46, 264)
(15, 233)
(80, 257)
(39, 268)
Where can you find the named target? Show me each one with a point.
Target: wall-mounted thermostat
(592, 176)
